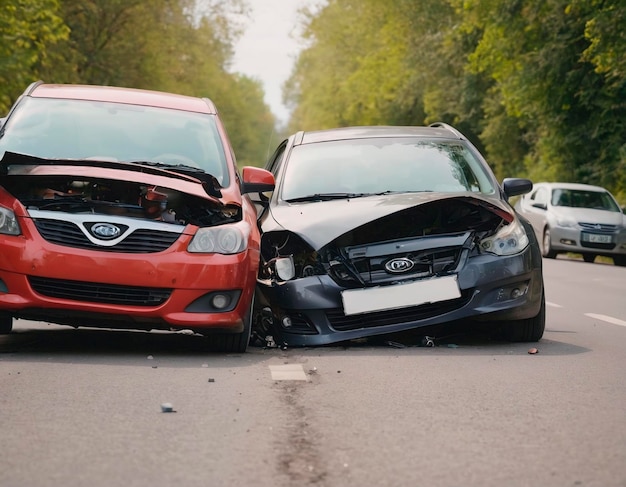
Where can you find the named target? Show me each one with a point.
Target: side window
(273, 164)
(541, 196)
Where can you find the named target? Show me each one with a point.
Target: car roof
(363, 132)
(130, 96)
(579, 186)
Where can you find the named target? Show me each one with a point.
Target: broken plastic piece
(167, 407)
(533, 351)
(428, 341)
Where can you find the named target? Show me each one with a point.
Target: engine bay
(114, 197)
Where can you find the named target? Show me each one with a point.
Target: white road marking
(554, 305)
(608, 319)
(287, 372)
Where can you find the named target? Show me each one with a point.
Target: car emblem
(397, 266)
(105, 231)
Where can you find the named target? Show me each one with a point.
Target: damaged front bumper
(312, 310)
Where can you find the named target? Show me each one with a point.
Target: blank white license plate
(592, 237)
(380, 298)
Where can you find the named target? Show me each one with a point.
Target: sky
(269, 47)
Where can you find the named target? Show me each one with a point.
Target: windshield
(576, 198)
(361, 167)
(77, 129)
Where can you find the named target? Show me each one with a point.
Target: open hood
(180, 178)
(179, 195)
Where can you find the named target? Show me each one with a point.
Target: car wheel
(546, 248)
(234, 342)
(619, 260)
(6, 323)
(589, 257)
(528, 330)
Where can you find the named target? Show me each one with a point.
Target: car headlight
(229, 239)
(566, 222)
(510, 239)
(8, 222)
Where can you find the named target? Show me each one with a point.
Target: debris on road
(394, 344)
(167, 407)
(533, 351)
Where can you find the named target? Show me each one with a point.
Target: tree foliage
(28, 28)
(180, 46)
(538, 85)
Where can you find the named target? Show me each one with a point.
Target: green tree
(27, 28)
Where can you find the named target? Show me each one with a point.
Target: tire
(233, 342)
(6, 323)
(619, 260)
(546, 245)
(530, 329)
(589, 257)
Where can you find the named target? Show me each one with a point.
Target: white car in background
(579, 218)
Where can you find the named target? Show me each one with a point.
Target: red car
(124, 208)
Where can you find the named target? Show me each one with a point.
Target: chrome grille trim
(598, 227)
(138, 236)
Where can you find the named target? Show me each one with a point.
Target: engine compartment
(114, 197)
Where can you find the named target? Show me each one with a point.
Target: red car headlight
(227, 239)
(8, 222)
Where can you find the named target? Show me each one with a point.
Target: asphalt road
(83, 407)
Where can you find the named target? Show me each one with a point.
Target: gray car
(579, 218)
(375, 230)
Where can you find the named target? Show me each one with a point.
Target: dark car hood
(319, 223)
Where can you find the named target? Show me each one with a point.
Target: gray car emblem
(105, 231)
(397, 266)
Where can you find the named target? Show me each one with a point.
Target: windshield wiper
(172, 167)
(389, 191)
(326, 197)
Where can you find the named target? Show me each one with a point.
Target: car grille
(140, 241)
(598, 227)
(98, 292)
(419, 257)
(340, 322)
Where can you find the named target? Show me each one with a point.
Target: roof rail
(448, 127)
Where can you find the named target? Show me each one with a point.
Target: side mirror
(516, 186)
(256, 180)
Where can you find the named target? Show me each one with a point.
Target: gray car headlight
(566, 222)
(228, 239)
(8, 222)
(508, 240)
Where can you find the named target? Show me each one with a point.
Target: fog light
(566, 241)
(220, 301)
(286, 322)
(516, 293)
